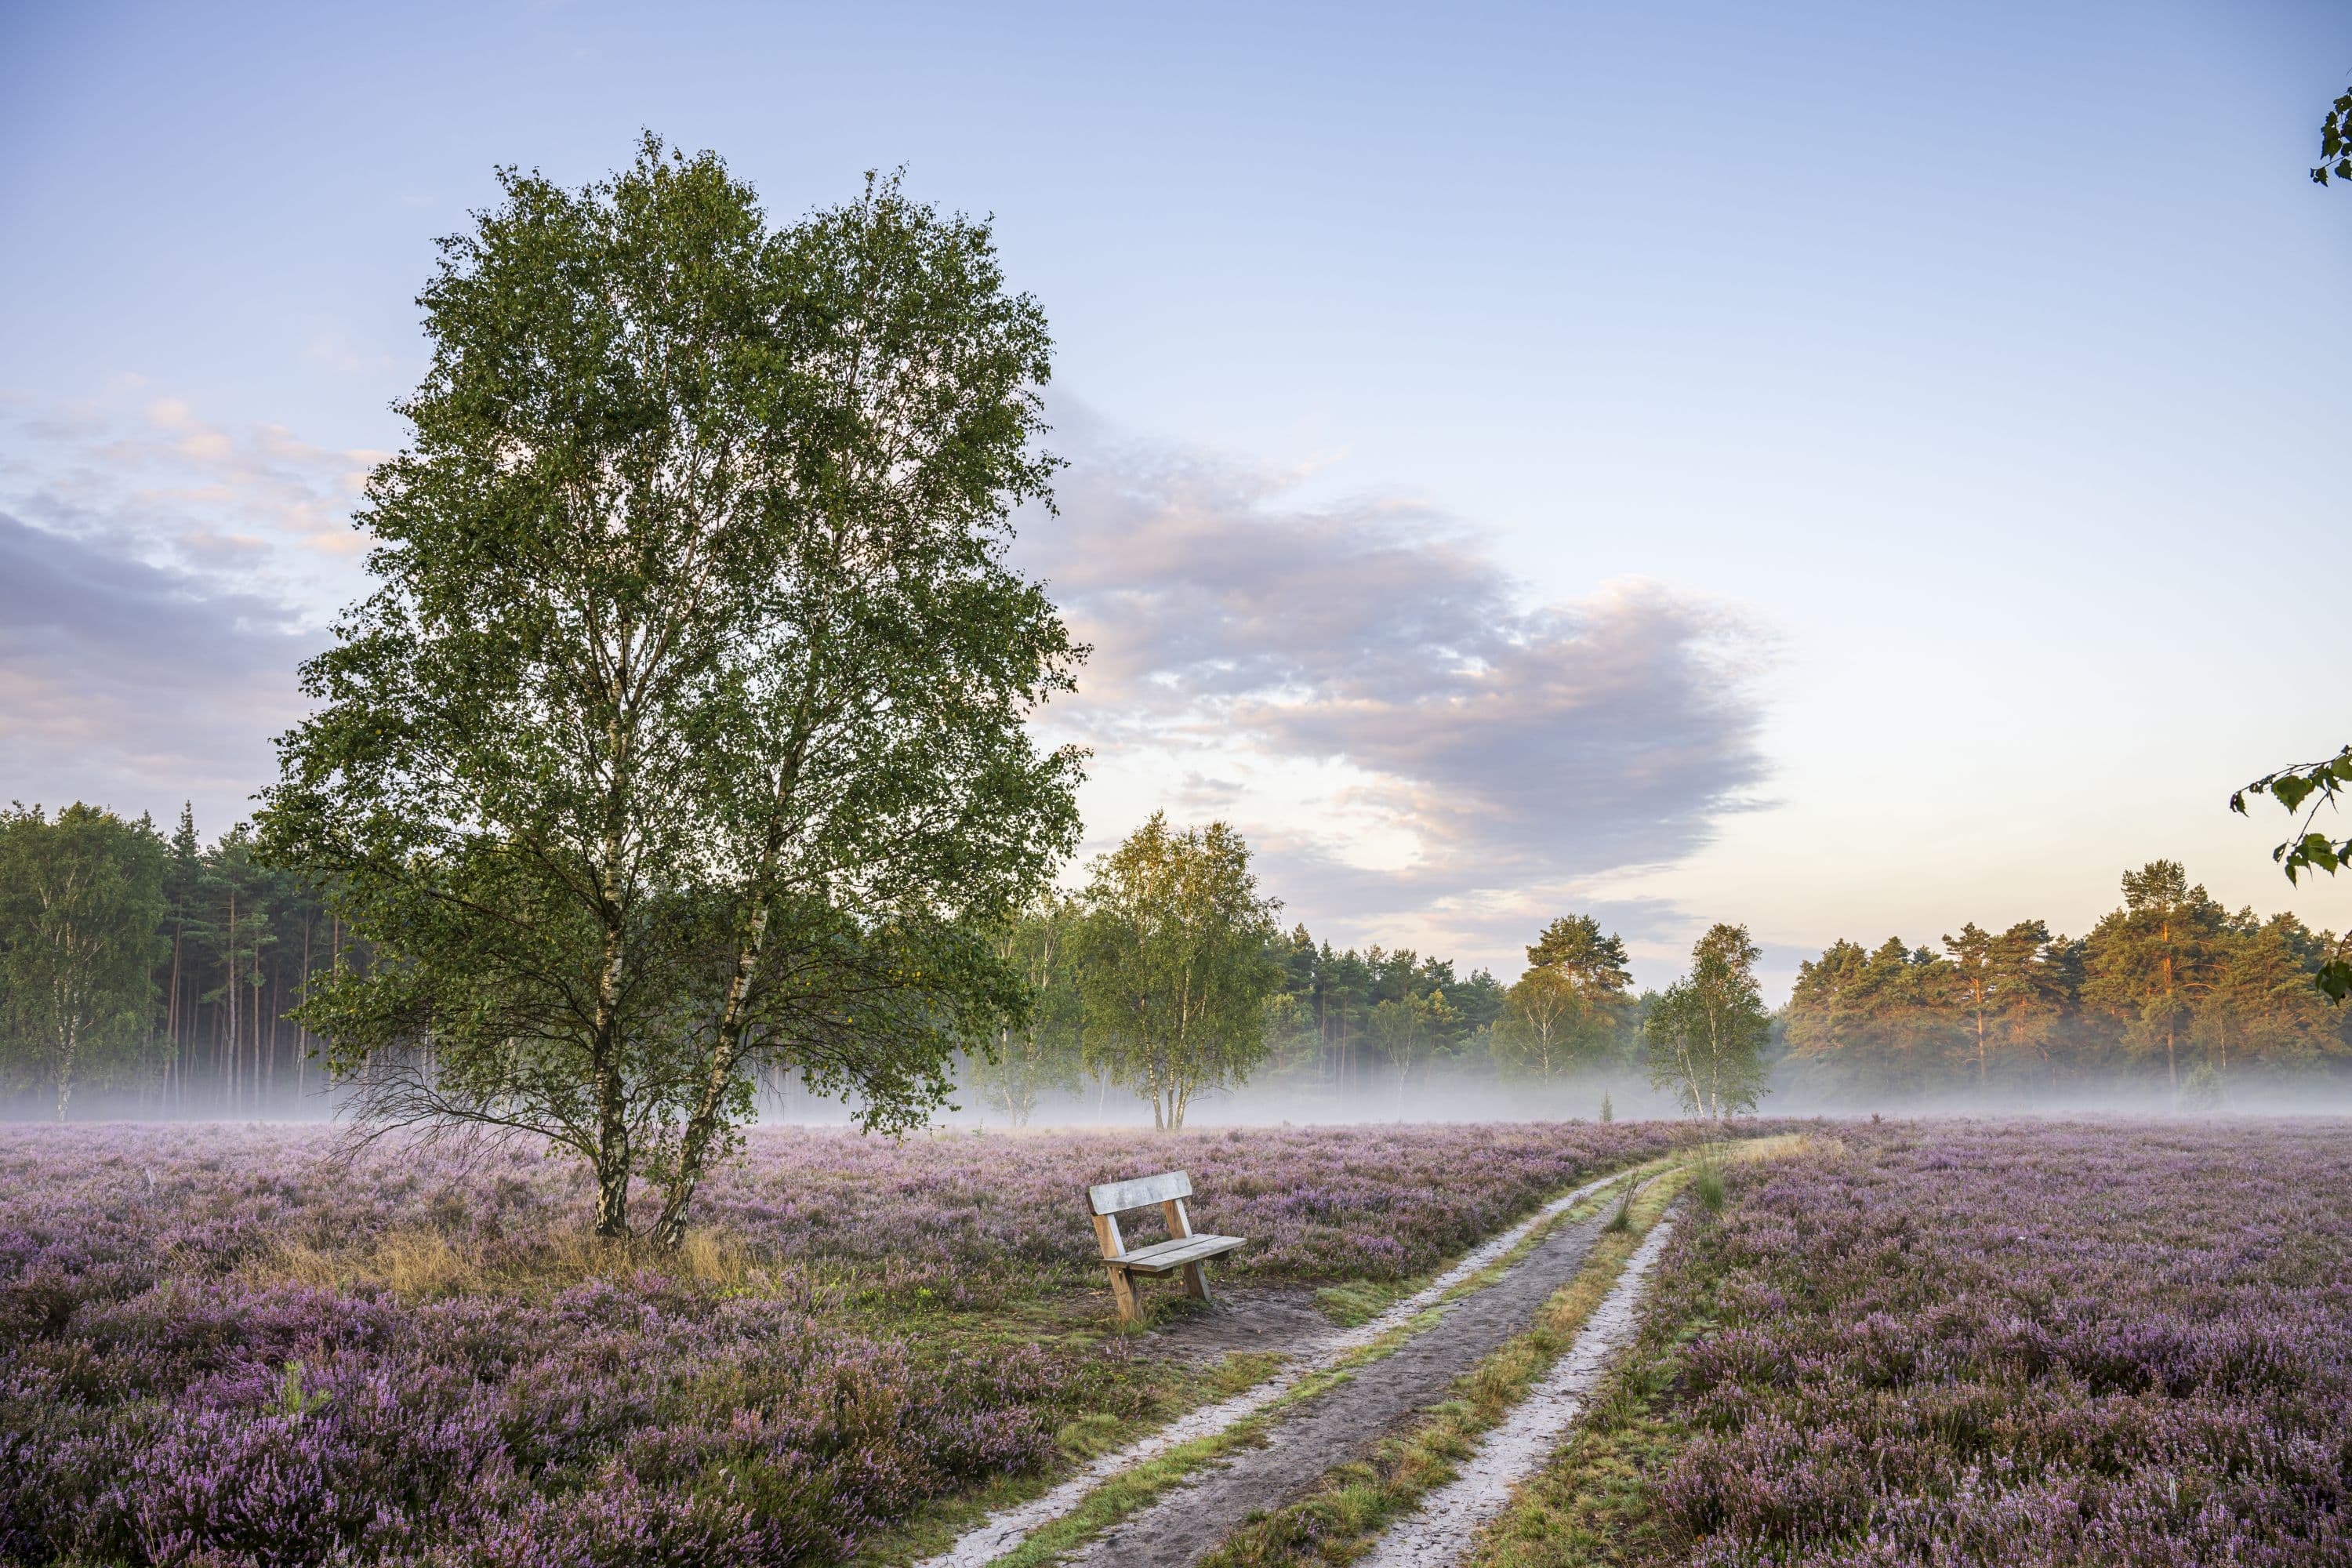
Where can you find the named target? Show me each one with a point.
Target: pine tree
(2260, 1005)
(2146, 963)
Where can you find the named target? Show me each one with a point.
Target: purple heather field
(223, 1345)
(1952, 1342)
(2005, 1343)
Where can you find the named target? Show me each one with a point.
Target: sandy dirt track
(1379, 1397)
(1002, 1532)
(1440, 1533)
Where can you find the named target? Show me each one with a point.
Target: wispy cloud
(1400, 729)
(1420, 751)
(134, 685)
(154, 476)
(161, 577)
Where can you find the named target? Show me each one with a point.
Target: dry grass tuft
(411, 1262)
(299, 1263)
(714, 1256)
(423, 1262)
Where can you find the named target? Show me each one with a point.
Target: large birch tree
(684, 735)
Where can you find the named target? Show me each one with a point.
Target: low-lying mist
(1375, 1096)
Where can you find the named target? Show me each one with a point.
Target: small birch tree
(81, 910)
(1174, 964)
(1572, 1003)
(1707, 1032)
(1039, 1050)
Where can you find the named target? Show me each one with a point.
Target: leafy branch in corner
(2312, 786)
(2336, 143)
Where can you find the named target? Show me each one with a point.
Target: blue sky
(1846, 468)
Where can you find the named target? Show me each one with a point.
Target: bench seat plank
(1167, 1257)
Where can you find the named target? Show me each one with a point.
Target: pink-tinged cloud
(136, 686)
(1518, 744)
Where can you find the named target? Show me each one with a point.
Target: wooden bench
(1183, 1251)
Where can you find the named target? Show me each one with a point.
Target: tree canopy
(683, 731)
(2169, 986)
(1042, 1048)
(1571, 1007)
(81, 897)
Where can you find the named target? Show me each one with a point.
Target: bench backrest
(1166, 1192)
(1142, 1192)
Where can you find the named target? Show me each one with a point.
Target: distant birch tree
(81, 910)
(1541, 1030)
(1174, 963)
(1038, 1050)
(1708, 1031)
(1570, 1005)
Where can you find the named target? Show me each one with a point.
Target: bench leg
(1122, 1293)
(1196, 1282)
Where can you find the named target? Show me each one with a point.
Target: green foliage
(2146, 963)
(684, 735)
(1571, 1007)
(81, 898)
(2169, 978)
(1043, 1049)
(1412, 1030)
(2320, 783)
(2336, 143)
(1174, 964)
(2258, 1002)
(1575, 946)
(1337, 1011)
(1621, 1219)
(292, 1399)
(1707, 1032)
(2007, 992)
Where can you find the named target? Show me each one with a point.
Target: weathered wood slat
(1161, 1251)
(1167, 1257)
(1142, 1191)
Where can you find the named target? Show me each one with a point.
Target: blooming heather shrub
(1974, 1343)
(1316, 1203)
(173, 1390)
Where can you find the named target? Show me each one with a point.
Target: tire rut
(1439, 1532)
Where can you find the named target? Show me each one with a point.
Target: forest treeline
(2170, 992)
(2170, 987)
(165, 971)
(154, 966)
